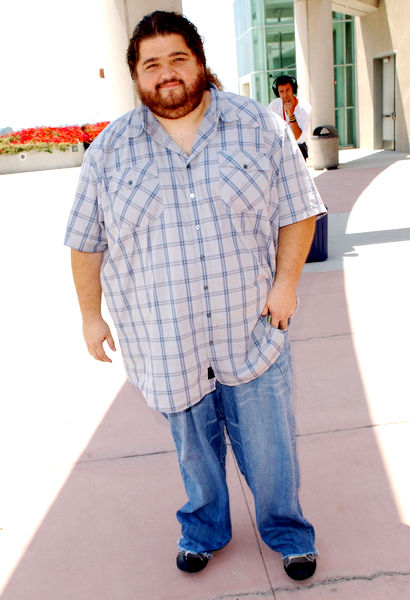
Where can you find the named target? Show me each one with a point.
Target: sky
(47, 67)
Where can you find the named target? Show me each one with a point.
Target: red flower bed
(91, 131)
(46, 138)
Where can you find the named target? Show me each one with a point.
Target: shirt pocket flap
(135, 195)
(244, 161)
(244, 180)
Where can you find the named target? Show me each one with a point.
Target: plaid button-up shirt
(190, 242)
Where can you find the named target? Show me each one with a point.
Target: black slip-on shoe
(191, 563)
(300, 567)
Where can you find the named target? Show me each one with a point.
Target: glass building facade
(265, 40)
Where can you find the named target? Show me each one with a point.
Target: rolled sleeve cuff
(75, 240)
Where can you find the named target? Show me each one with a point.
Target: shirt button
(245, 166)
(208, 315)
(188, 166)
(197, 227)
(202, 257)
(211, 343)
(191, 195)
(205, 287)
(130, 182)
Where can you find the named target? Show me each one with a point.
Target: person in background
(295, 112)
(194, 215)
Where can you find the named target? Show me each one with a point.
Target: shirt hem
(186, 406)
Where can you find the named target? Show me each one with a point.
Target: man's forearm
(86, 273)
(294, 242)
(296, 130)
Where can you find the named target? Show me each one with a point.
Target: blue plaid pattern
(189, 243)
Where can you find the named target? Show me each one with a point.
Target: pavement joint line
(358, 427)
(322, 337)
(125, 456)
(345, 579)
(253, 524)
(299, 435)
(267, 594)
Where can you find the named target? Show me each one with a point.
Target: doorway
(385, 102)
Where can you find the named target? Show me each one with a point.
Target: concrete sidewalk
(89, 478)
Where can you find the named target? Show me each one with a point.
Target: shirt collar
(142, 119)
(219, 107)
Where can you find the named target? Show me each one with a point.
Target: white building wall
(381, 33)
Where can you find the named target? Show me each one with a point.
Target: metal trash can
(318, 250)
(324, 148)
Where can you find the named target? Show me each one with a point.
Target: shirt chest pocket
(134, 196)
(244, 180)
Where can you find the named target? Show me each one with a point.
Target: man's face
(169, 79)
(286, 92)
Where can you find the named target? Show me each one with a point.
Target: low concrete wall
(41, 161)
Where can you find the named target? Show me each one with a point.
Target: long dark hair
(162, 22)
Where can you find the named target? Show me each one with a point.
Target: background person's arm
(86, 268)
(294, 125)
(294, 242)
(296, 130)
(303, 120)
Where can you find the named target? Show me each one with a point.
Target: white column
(314, 58)
(302, 48)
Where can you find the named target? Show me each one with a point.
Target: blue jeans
(259, 420)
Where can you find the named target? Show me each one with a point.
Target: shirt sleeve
(85, 228)
(302, 115)
(276, 108)
(298, 196)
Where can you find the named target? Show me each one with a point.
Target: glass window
(338, 44)
(280, 49)
(339, 87)
(349, 34)
(344, 71)
(257, 13)
(258, 49)
(242, 16)
(341, 126)
(349, 82)
(280, 35)
(265, 43)
(350, 126)
(244, 54)
(278, 11)
(257, 86)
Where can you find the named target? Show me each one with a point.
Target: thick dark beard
(179, 102)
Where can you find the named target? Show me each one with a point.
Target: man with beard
(194, 215)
